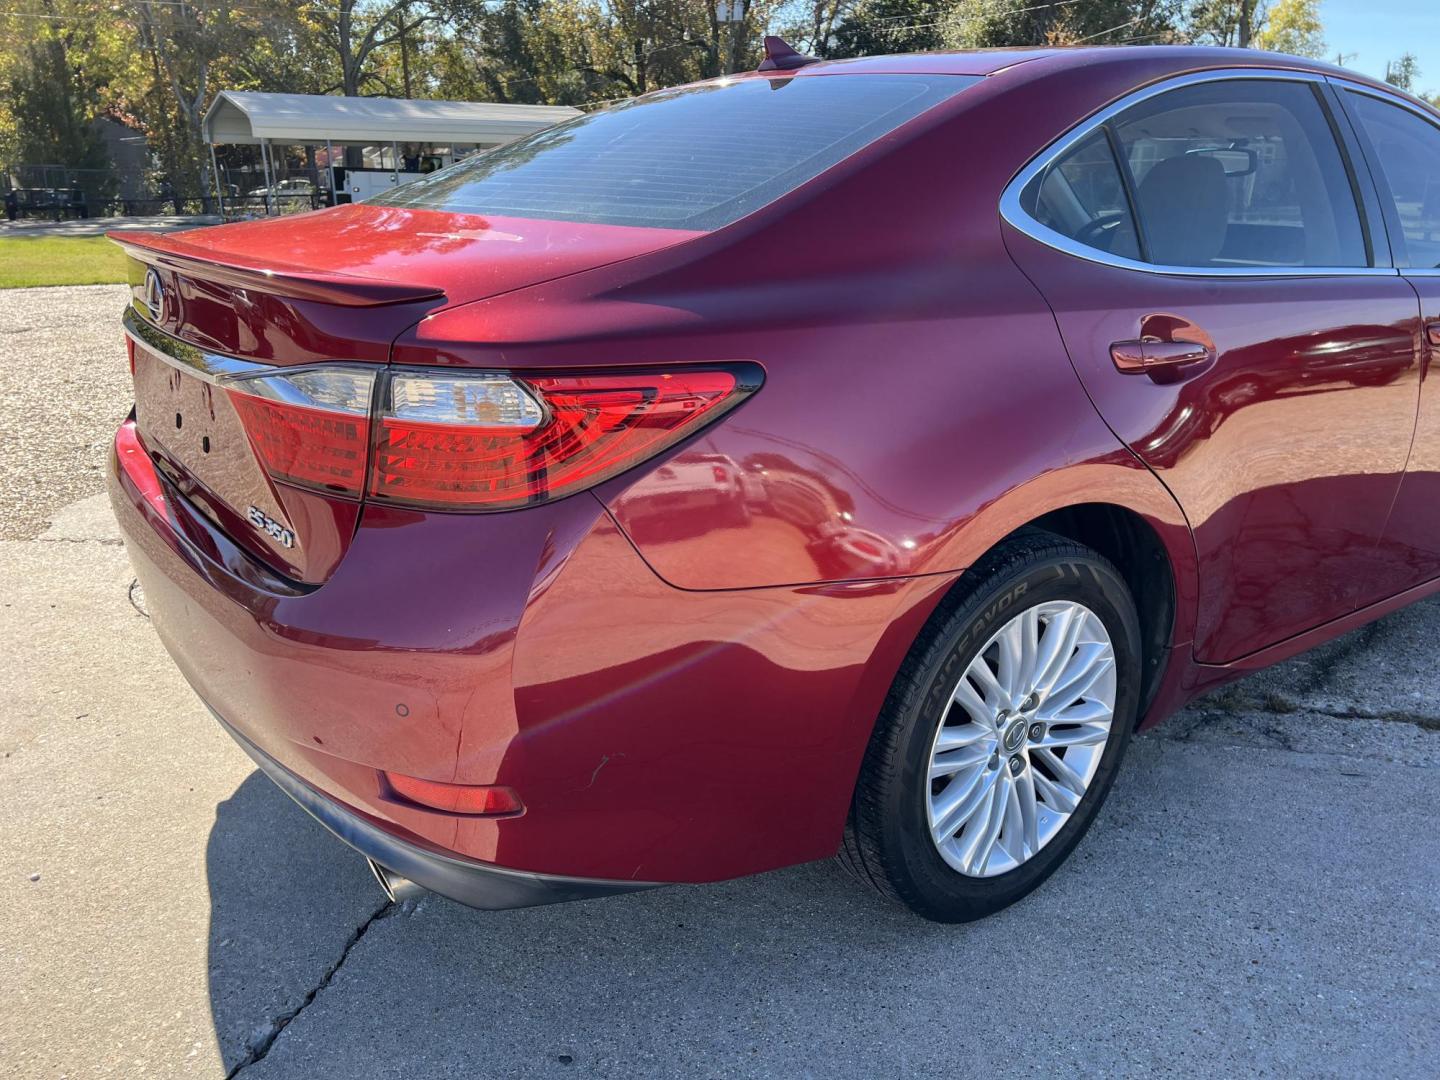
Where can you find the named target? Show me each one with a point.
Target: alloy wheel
(1021, 738)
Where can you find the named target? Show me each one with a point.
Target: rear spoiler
(343, 290)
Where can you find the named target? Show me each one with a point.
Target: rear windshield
(695, 157)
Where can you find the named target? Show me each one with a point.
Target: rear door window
(1241, 173)
(1408, 148)
(1081, 196)
(695, 157)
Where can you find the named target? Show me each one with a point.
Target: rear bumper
(653, 734)
(479, 885)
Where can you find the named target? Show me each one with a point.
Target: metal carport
(257, 119)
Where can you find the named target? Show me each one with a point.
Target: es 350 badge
(266, 524)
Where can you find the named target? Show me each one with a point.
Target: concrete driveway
(1260, 896)
(102, 225)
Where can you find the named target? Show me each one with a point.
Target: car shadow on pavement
(1163, 924)
(285, 899)
(288, 901)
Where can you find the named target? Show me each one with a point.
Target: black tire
(887, 840)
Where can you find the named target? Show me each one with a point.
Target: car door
(1402, 142)
(1206, 247)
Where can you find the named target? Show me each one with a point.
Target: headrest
(1185, 205)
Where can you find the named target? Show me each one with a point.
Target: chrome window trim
(1013, 213)
(1409, 106)
(1430, 117)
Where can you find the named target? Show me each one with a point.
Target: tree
(53, 109)
(890, 26)
(577, 52)
(1290, 26)
(57, 82)
(354, 33)
(1226, 22)
(1402, 73)
(1294, 27)
(286, 53)
(811, 25)
(181, 41)
(992, 23)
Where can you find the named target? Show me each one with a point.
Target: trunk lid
(255, 348)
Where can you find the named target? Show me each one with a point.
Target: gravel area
(65, 385)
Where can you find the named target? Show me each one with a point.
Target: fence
(57, 191)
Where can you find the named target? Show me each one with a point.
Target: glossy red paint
(558, 664)
(678, 670)
(1411, 543)
(353, 255)
(1286, 453)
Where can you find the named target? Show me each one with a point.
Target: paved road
(100, 226)
(1260, 896)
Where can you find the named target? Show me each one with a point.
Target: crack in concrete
(1190, 726)
(106, 541)
(258, 1051)
(136, 595)
(1278, 705)
(1429, 724)
(1343, 648)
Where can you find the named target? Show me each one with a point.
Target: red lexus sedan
(840, 456)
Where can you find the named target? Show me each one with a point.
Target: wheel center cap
(1014, 736)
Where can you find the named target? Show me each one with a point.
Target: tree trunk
(736, 51)
(641, 84)
(711, 63)
(404, 54)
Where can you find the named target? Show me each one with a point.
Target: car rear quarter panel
(918, 401)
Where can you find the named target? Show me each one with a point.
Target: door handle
(1134, 357)
(1432, 334)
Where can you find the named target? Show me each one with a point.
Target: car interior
(1227, 182)
(1408, 149)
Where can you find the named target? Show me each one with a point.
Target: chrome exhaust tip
(395, 887)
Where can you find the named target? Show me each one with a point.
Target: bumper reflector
(481, 800)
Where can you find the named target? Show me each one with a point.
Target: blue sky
(1376, 31)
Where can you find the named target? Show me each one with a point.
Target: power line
(119, 11)
(999, 13)
(114, 16)
(1143, 37)
(1102, 33)
(53, 18)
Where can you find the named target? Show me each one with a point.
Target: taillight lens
(489, 442)
(473, 441)
(311, 427)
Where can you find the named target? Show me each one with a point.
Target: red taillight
(311, 427)
(586, 429)
(474, 440)
(487, 799)
(310, 447)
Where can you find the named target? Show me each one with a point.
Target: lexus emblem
(154, 295)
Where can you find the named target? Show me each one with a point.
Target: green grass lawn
(59, 260)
